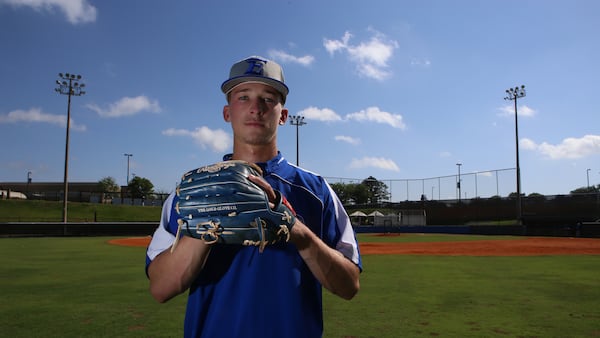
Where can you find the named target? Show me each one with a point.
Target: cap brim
(228, 85)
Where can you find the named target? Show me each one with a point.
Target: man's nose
(258, 106)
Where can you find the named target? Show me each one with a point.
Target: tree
(352, 193)
(360, 193)
(369, 191)
(109, 185)
(586, 190)
(342, 191)
(140, 187)
(378, 191)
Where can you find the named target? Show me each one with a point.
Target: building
(54, 191)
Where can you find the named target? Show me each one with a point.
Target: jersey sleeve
(164, 235)
(345, 238)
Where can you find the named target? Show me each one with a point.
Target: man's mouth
(254, 123)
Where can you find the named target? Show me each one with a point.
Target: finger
(264, 185)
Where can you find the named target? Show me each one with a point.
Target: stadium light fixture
(513, 94)
(298, 121)
(68, 86)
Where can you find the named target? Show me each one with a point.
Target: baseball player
(270, 289)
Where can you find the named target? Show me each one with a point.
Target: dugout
(404, 217)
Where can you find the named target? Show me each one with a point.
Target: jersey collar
(268, 167)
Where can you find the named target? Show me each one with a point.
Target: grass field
(84, 287)
(51, 211)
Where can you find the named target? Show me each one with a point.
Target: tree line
(368, 191)
(138, 187)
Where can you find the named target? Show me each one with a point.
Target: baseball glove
(218, 204)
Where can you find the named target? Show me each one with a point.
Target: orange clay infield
(527, 246)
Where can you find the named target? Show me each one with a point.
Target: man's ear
(226, 116)
(284, 116)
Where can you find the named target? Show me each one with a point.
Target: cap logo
(255, 66)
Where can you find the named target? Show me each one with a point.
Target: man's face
(255, 111)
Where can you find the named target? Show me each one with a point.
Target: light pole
(514, 94)
(296, 120)
(458, 181)
(476, 184)
(70, 85)
(28, 183)
(128, 157)
(588, 177)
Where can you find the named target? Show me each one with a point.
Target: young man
(235, 291)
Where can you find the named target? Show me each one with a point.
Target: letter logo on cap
(255, 66)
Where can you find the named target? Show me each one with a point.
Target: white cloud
(374, 162)
(525, 111)
(527, 144)
(127, 106)
(420, 62)
(445, 154)
(36, 115)
(373, 114)
(509, 110)
(374, 52)
(372, 71)
(217, 140)
(284, 57)
(333, 46)
(76, 11)
(370, 57)
(569, 148)
(320, 114)
(347, 139)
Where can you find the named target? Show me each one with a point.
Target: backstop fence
(480, 184)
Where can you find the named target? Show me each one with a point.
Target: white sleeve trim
(347, 244)
(162, 239)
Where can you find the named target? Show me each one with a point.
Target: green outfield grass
(51, 211)
(84, 287)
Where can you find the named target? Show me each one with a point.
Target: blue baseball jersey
(243, 293)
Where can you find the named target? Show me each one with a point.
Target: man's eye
(268, 100)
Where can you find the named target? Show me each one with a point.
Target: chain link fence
(481, 184)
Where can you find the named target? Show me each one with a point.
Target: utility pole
(514, 94)
(70, 85)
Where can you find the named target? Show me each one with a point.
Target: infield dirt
(528, 246)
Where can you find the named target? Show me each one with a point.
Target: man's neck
(254, 154)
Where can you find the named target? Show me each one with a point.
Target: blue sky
(398, 90)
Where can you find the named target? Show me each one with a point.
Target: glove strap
(285, 202)
(285, 208)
